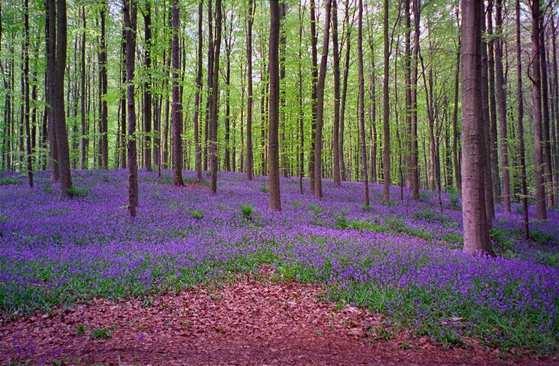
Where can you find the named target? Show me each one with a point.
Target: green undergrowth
(390, 225)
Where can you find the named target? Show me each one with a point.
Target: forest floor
(82, 282)
(250, 321)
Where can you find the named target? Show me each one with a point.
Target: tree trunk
(56, 65)
(50, 39)
(214, 110)
(501, 106)
(84, 141)
(273, 116)
(336, 66)
(147, 87)
(314, 72)
(361, 107)
(26, 106)
(103, 124)
(541, 207)
(176, 107)
(320, 105)
(130, 14)
(485, 115)
(197, 98)
(250, 100)
(386, 110)
(520, 122)
(476, 231)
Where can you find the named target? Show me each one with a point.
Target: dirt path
(246, 323)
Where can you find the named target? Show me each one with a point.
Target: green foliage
(453, 238)
(8, 181)
(264, 188)
(197, 214)
(454, 198)
(549, 259)
(246, 211)
(431, 215)
(78, 192)
(80, 329)
(101, 333)
(397, 225)
(503, 241)
(541, 237)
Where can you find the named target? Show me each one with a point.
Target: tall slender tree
(386, 108)
(197, 98)
(147, 98)
(274, 107)
(320, 103)
(361, 102)
(130, 16)
(250, 99)
(501, 105)
(535, 76)
(176, 107)
(103, 119)
(520, 122)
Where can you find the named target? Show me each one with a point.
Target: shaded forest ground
(402, 261)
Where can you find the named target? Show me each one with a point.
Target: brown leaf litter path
(248, 322)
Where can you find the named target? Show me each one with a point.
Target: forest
(327, 181)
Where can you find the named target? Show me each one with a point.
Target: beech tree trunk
(26, 106)
(541, 206)
(176, 106)
(520, 122)
(197, 98)
(314, 72)
(56, 65)
(84, 140)
(501, 106)
(361, 107)
(103, 123)
(274, 106)
(476, 231)
(147, 104)
(214, 110)
(320, 104)
(250, 99)
(130, 15)
(485, 115)
(336, 66)
(386, 110)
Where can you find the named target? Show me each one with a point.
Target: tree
(130, 15)
(103, 126)
(476, 232)
(250, 101)
(214, 108)
(520, 122)
(273, 117)
(541, 209)
(26, 107)
(56, 65)
(336, 66)
(320, 104)
(361, 107)
(501, 105)
(176, 107)
(386, 109)
(147, 86)
(197, 98)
